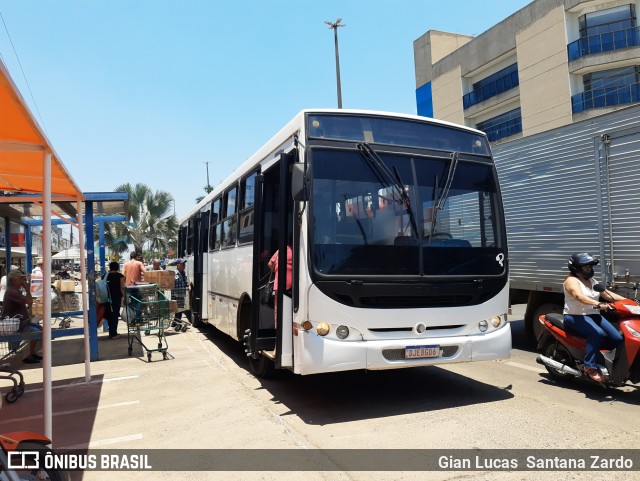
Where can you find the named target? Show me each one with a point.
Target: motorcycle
(564, 351)
(34, 446)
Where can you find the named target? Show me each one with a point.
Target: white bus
(399, 250)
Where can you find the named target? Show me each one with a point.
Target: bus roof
(293, 126)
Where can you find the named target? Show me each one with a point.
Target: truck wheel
(548, 308)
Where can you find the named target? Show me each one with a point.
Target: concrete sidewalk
(202, 396)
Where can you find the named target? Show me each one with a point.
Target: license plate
(418, 352)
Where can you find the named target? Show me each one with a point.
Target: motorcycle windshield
(367, 224)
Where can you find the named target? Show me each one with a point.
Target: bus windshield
(423, 218)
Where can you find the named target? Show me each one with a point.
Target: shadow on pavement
(354, 395)
(520, 338)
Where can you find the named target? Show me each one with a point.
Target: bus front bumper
(329, 355)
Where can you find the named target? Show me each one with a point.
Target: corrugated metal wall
(552, 184)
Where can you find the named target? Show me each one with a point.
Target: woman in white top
(581, 310)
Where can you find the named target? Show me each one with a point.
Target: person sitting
(15, 304)
(581, 303)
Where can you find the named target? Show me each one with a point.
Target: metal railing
(503, 129)
(605, 97)
(604, 42)
(491, 89)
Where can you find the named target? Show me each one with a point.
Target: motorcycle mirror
(599, 287)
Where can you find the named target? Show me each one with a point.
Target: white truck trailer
(575, 188)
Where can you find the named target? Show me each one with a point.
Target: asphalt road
(507, 404)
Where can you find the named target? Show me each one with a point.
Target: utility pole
(334, 26)
(208, 186)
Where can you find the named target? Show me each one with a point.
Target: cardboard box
(67, 286)
(164, 279)
(173, 306)
(37, 308)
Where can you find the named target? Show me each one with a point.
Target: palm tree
(207, 189)
(152, 225)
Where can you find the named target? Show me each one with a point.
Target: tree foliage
(151, 226)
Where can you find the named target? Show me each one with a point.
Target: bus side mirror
(299, 183)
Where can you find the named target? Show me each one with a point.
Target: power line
(23, 74)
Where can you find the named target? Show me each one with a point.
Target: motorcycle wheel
(560, 354)
(48, 474)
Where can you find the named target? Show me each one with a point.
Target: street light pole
(334, 26)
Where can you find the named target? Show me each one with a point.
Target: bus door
(196, 291)
(273, 227)
(202, 265)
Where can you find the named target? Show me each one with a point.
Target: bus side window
(190, 232)
(214, 225)
(247, 189)
(229, 224)
(182, 241)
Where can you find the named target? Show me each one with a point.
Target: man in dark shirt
(15, 304)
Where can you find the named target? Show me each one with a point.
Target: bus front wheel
(261, 366)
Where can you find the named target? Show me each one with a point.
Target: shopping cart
(181, 297)
(63, 305)
(146, 309)
(11, 342)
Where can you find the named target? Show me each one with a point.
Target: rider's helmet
(579, 259)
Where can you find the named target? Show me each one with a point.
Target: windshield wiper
(387, 178)
(441, 197)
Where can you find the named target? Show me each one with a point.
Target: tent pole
(46, 296)
(7, 243)
(83, 280)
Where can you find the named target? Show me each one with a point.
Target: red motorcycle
(31, 459)
(564, 351)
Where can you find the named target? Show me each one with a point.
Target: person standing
(15, 304)
(37, 279)
(273, 266)
(181, 291)
(115, 282)
(154, 266)
(133, 270)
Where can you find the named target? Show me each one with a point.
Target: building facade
(552, 63)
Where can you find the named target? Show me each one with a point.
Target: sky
(149, 90)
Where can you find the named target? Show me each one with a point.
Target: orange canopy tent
(22, 148)
(31, 174)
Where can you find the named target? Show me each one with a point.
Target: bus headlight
(342, 332)
(323, 328)
(306, 325)
(483, 326)
(496, 321)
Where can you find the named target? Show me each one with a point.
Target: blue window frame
(605, 31)
(494, 84)
(608, 88)
(505, 125)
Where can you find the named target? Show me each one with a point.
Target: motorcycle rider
(581, 306)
